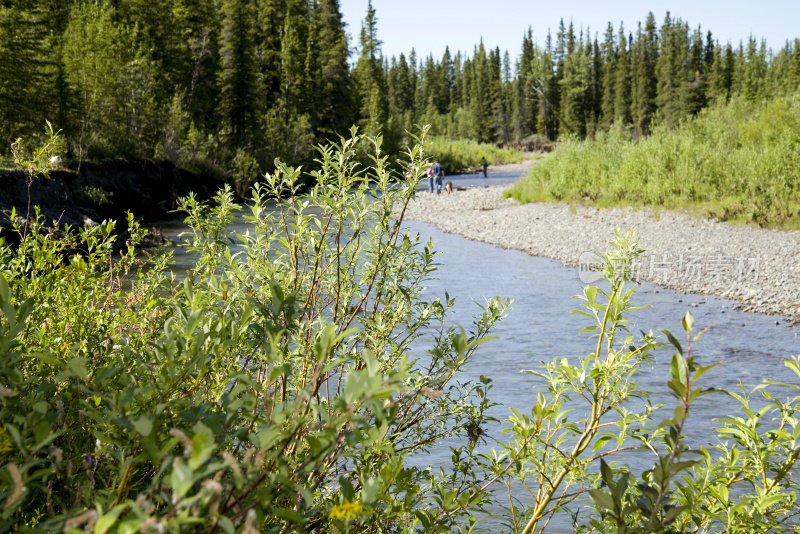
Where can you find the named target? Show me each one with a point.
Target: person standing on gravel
(429, 174)
(438, 175)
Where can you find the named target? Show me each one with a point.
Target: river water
(749, 347)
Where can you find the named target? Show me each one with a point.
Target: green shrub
(465, 154)
(738, 162)
(244, 172)
(272, 389)
(93, 195)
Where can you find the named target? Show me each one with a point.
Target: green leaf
(666, 422)
(107, 520)
(143, 425)
(181, 478)
(226, 524)
(373, 367)
(5, 293)
(677, 369)
(602, 499)
(370, 490)
(675, 343)
(347, 489)
(672, 513)
(78, 366)
(591, 294)
(41, 432)
(131, 526)
(600, 442)
(606, 473)
(702, 370)
(289, 515)
(202, 445)
(688, 321)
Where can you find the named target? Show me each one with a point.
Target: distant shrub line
(459, 155)
(738, 162)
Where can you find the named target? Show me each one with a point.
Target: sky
(429, 26)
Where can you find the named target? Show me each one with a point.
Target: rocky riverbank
(85, 193)
(758, 268)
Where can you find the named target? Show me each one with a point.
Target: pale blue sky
(430, 25)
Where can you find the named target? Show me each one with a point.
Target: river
(749, 347)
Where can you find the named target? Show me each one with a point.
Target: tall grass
(464, 154)
(738, 162)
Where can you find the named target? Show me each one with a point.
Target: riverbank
(520, 167)
(755, 267)
(86, 193)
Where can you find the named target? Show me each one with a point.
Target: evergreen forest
(212, 84)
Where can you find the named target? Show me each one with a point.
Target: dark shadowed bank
(84, 193)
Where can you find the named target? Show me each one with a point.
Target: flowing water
(749, 347)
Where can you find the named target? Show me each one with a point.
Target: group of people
(436, 175)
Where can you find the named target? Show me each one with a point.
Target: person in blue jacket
(438, 175)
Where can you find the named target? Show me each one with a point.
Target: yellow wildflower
(346, 511)
(5, 443)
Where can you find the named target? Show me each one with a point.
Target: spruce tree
(237, 74)
(369, 76)
(755, 69)
(197, 22)
(792, 82)
(267, 34)
(596, 89)
(622, 85)
(524, 115)
(572, 87)
(546, 87)
(160, 32)
(426, 97)
(401, 86)
(644, 82)
(695, 93)
(295, 60)
(588, 83)
(464, 121)
(497, 98)
(609, 77)
(671, 71)
(456, 97)
(721, 77)
(445, 82)
(480, 91)
(27, 71)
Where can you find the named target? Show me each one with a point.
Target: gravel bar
(758, 268)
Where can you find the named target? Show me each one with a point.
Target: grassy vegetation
(463, 153)
(738, 162)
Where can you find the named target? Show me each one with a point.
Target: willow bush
(273, 389)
